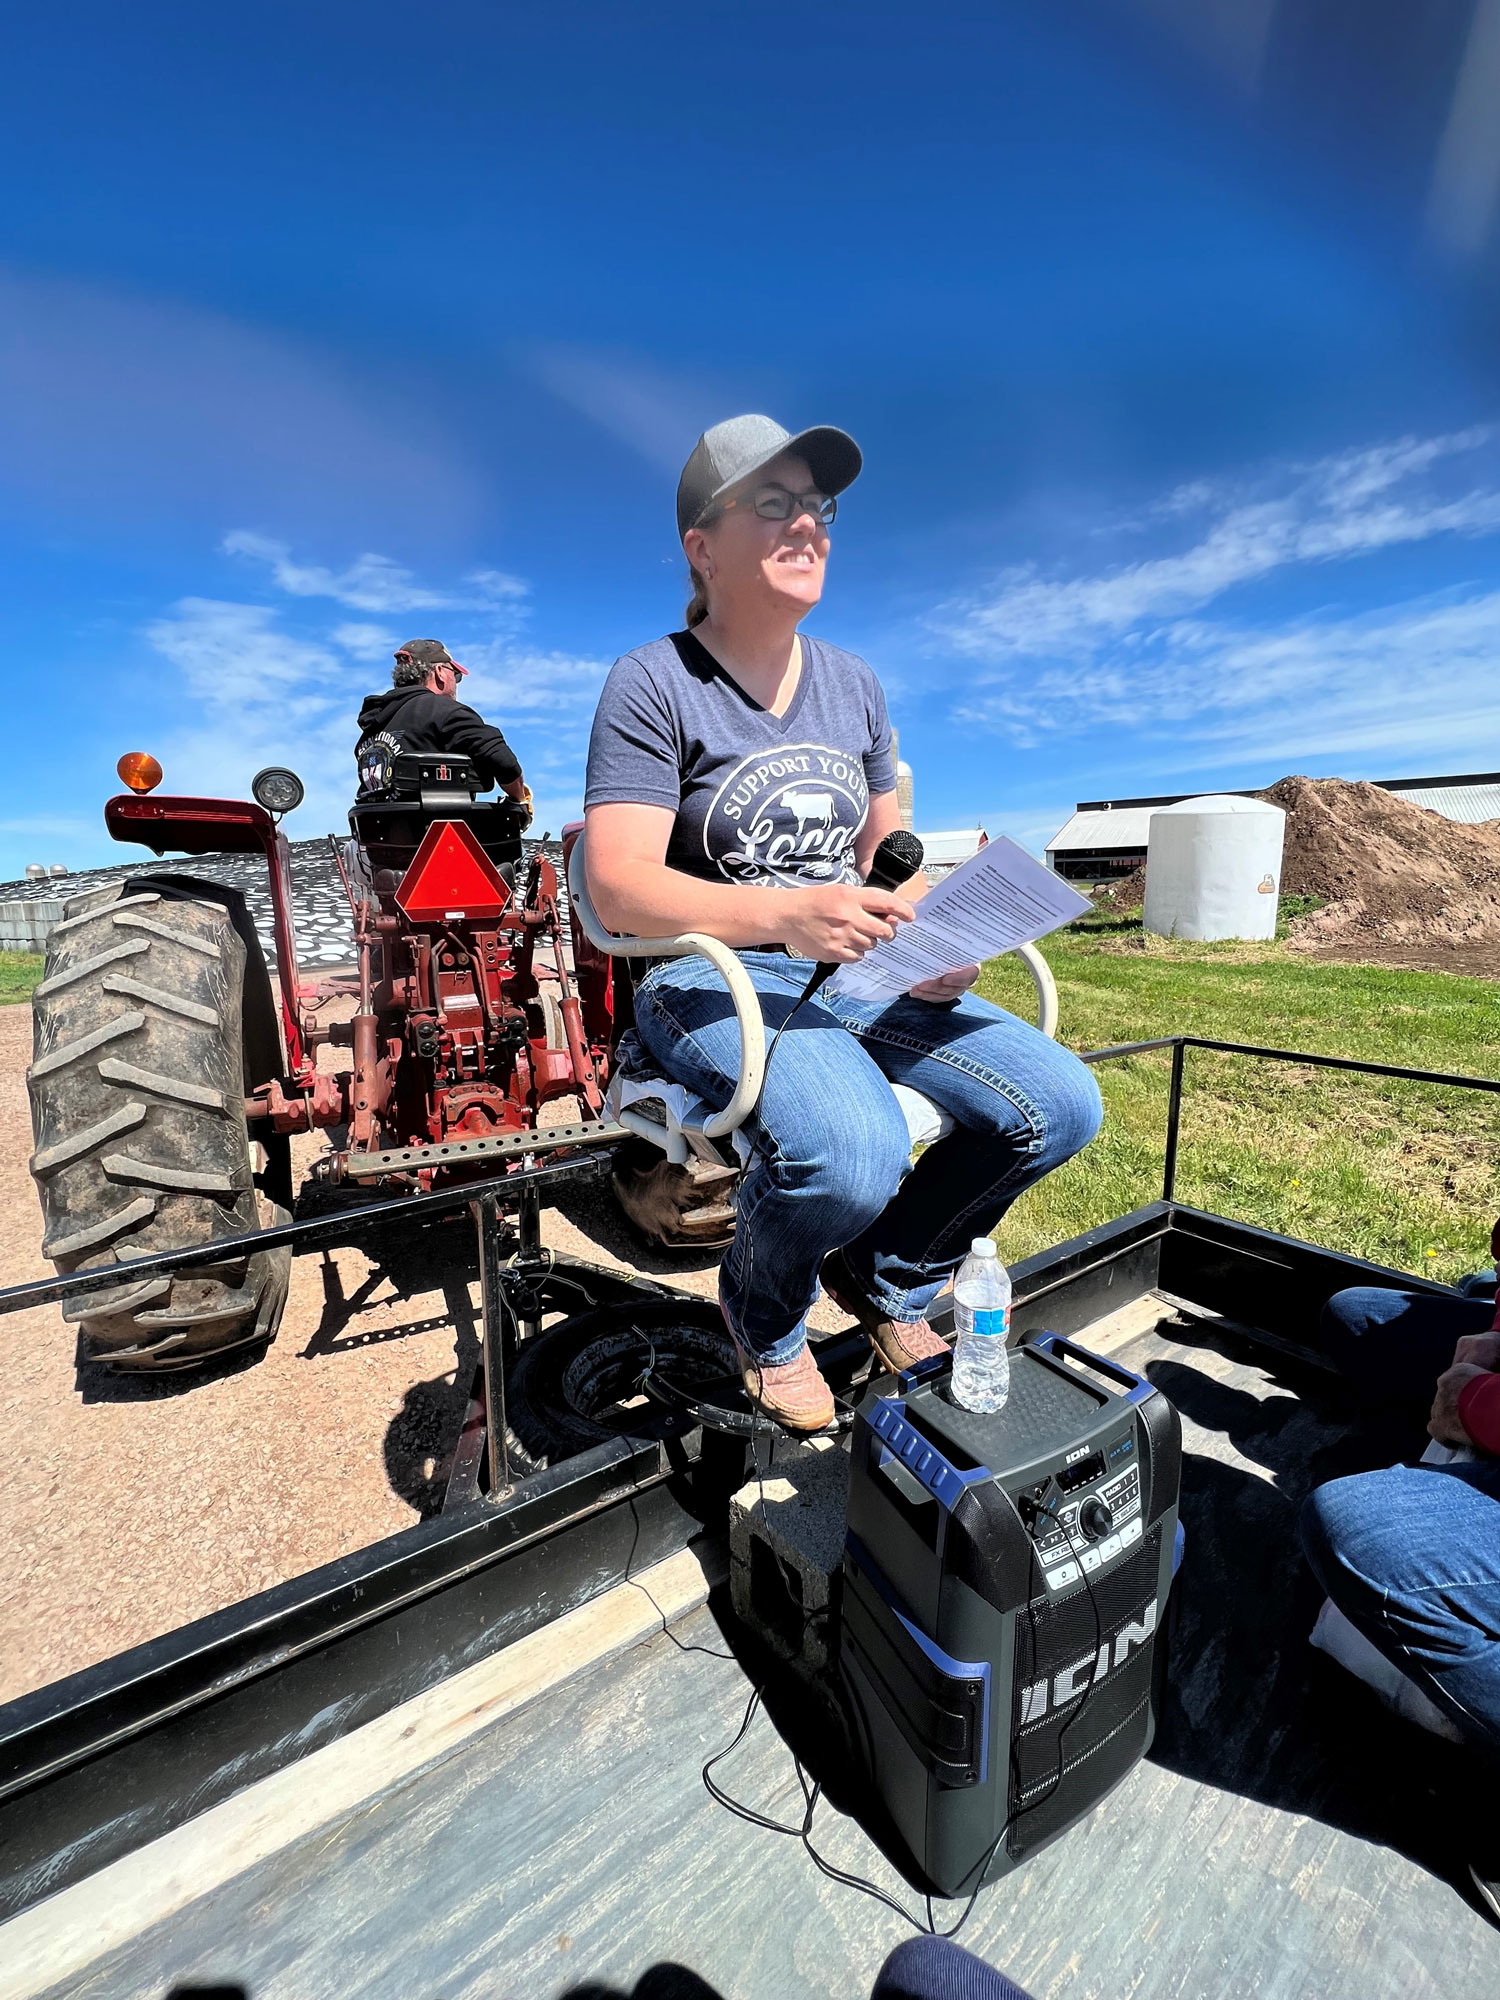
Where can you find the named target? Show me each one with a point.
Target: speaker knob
(1095, 1519)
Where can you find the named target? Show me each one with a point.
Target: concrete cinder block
(24, 924)
(786, 1541)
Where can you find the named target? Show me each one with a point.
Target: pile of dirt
(1126, 893)
(1394, 879)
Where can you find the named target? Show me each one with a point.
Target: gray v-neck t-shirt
(761, 800)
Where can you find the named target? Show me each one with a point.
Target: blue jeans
(831, 1167)
(1411, 1556)
(932, 1968)
(1393, 1346)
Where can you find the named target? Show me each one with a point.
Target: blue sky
(321, 328)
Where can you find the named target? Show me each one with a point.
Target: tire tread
(185, 1178)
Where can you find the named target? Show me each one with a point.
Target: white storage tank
(1213, 868)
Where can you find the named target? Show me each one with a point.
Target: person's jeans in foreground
(931, 1968)
(1392, 1346)
(831, 1166)
(1411, 1556)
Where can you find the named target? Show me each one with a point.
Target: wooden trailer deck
(1284, 1838)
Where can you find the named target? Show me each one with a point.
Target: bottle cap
(983, 1246)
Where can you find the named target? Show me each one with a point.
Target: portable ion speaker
(1004, 1592)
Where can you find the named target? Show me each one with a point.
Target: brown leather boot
(678, 1207)
(900, 1343)
(792, 1392)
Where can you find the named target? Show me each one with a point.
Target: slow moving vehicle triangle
(451, 877)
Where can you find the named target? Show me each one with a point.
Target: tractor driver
(422, 712)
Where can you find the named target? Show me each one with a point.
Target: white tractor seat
(679, 1122)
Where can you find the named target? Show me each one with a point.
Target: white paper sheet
(997, 899)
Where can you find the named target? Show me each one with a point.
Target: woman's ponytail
(697, 609)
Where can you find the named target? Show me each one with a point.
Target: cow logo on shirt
(788, 817)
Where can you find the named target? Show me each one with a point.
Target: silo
(1213, 868)
(905, 800)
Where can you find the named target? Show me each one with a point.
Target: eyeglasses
(775, 503)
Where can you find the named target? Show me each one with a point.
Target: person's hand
(1479, 1350)
(947, 986)
(1443, 1424)
(841, 923)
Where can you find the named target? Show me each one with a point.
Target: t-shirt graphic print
(788, 818)
(757, 799)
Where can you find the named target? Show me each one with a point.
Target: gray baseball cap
(731, 452)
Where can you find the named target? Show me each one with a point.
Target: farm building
(942, 852)
(1106, 838)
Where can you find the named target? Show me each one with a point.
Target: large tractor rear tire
(137, 1104)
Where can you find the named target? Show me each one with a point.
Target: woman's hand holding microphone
(839, 924)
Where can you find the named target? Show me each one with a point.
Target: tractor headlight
(277, 789)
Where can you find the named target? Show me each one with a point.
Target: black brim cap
(734, 451)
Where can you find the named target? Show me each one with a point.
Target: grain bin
(1213, 868)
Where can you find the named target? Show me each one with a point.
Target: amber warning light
(140, 770)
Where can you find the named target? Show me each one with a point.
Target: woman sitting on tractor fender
(740, 779)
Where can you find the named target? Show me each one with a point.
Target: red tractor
(168, 1076)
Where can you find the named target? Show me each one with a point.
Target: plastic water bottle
(981, 1315)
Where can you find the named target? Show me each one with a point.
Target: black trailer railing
(527, 1187)
(1180, 1044)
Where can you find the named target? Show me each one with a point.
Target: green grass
(1401, 1173)
(19, 972)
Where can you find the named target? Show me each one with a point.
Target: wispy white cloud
(1145, 651)
(1418, 680)
(1340, 507)
(235, 656)
(656, 415)
(372, 582)
(258, 694)
(366, 642)
(132, 406)
(268, 690)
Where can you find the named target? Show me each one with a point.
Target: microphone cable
(892, 865)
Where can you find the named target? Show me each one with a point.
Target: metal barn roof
(948, 849)
(1107, 826)
(1468, 799)
(1103, 824)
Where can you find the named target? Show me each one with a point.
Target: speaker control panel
(1097, 1521)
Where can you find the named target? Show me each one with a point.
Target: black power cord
(813, 1791)
(1044, 1507)
(682, 1645)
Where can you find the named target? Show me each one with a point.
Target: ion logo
(1071, 1682)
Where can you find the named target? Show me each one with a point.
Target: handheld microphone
(895, 861)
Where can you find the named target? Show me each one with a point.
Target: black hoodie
(413, 718)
